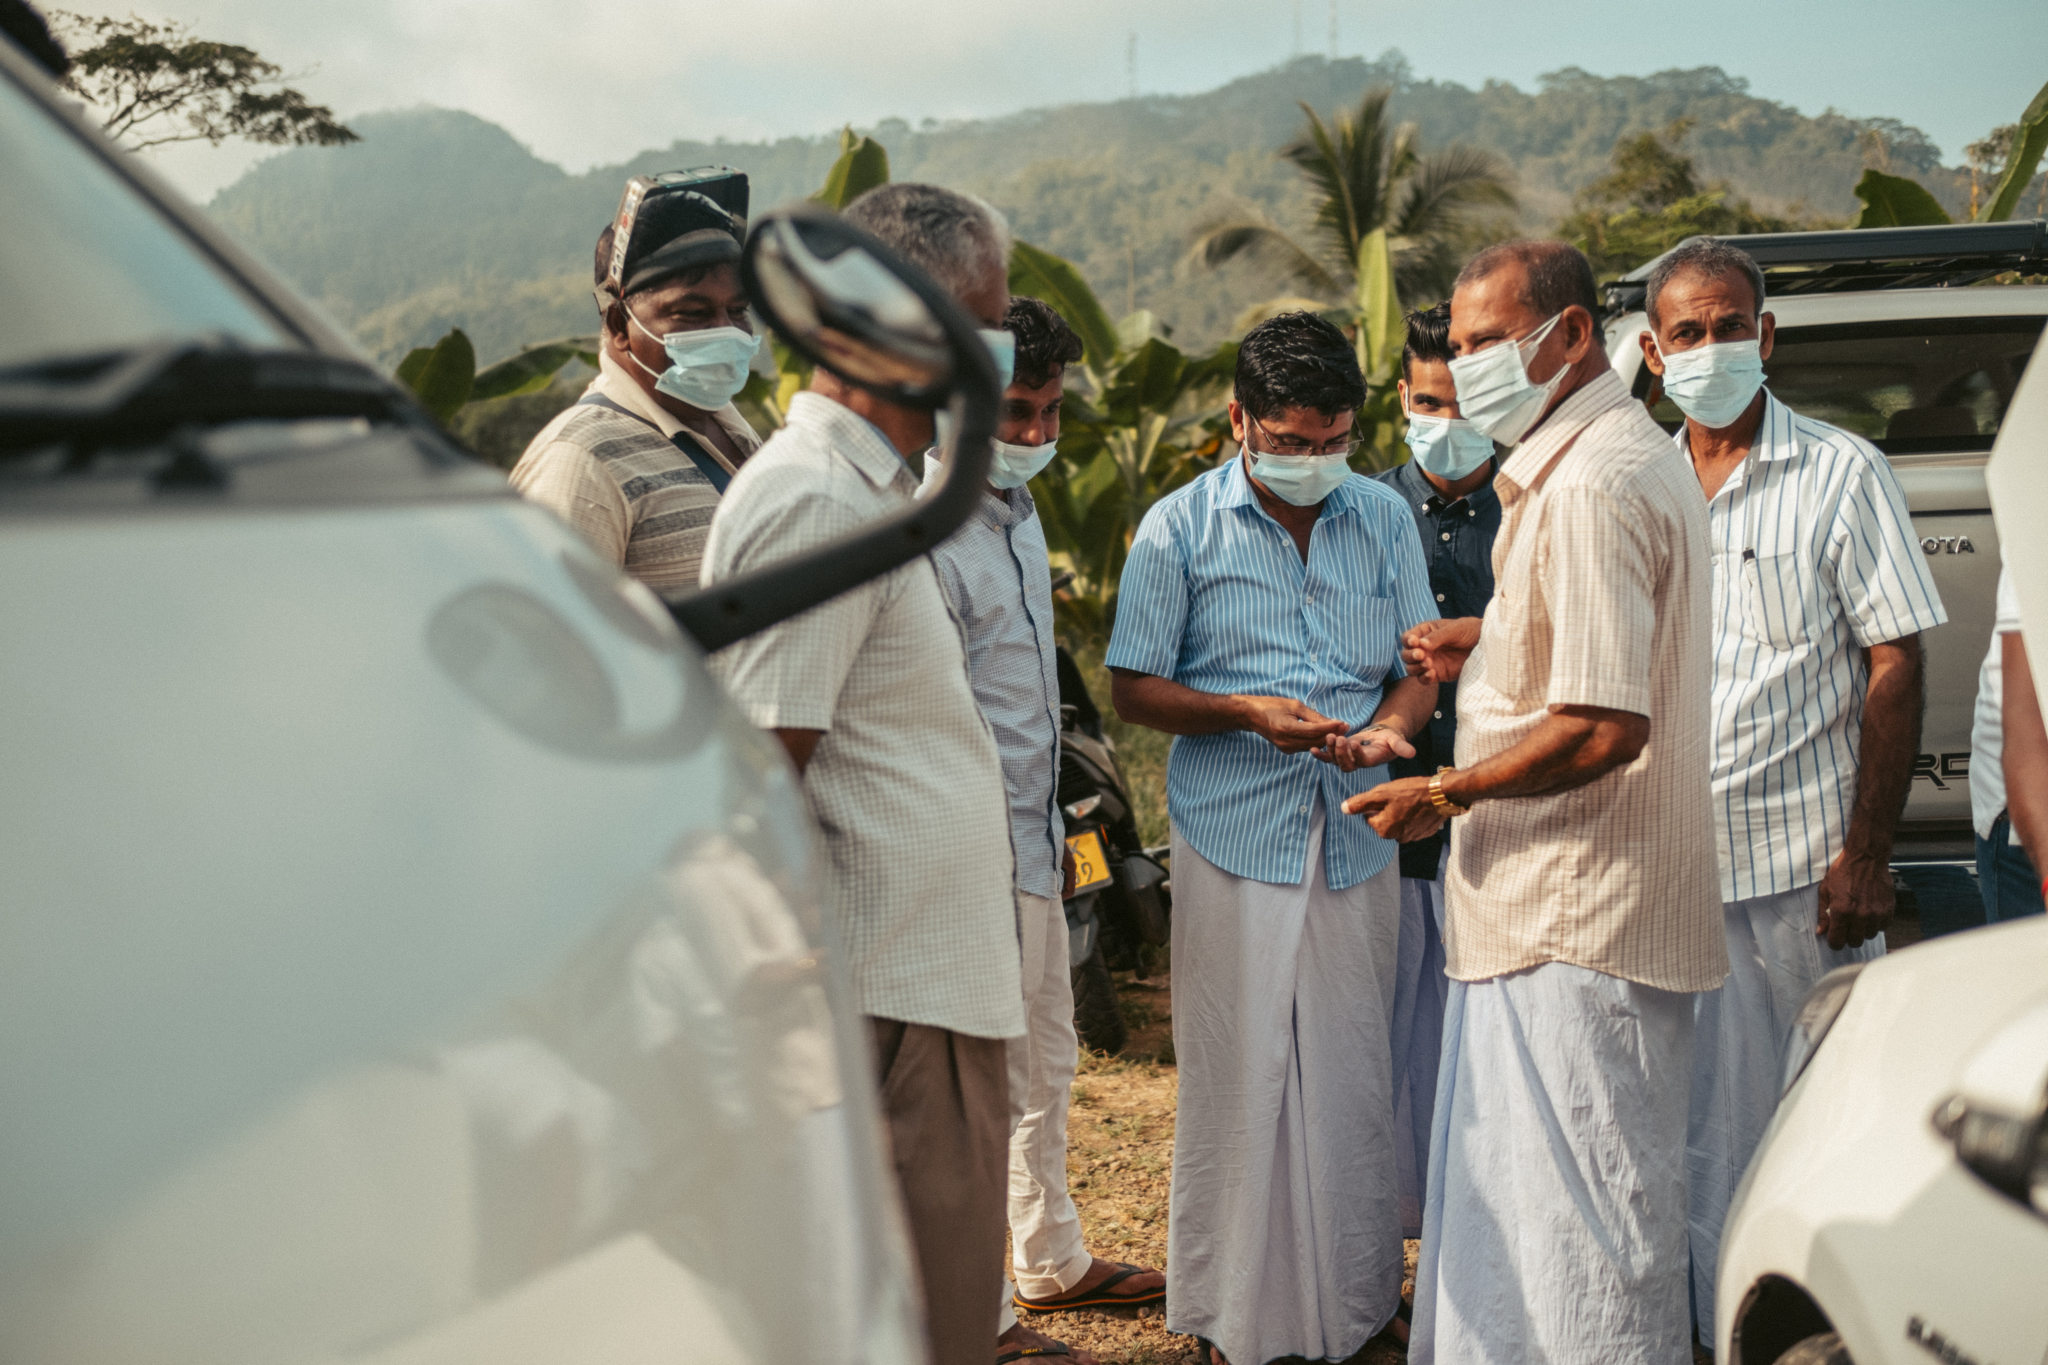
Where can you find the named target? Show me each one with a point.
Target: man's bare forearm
(2026, 751)
(1407, 706)
(1165, 705)
(1892, 709)
(1573, 746)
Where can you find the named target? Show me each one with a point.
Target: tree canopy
(154, 84)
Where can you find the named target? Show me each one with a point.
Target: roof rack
(1842, 260)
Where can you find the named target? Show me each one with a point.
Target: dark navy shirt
(1457, 547)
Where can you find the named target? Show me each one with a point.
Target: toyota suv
(1880, 333)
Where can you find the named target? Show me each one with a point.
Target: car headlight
(1823, 1006)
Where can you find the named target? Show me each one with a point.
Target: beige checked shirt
(1601, 600)
(906, 784)
(622, 483)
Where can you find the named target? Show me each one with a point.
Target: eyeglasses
(1288, 444)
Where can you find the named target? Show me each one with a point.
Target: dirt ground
(1119, 1159)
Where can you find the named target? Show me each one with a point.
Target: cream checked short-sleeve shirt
(1601, 599)
(906, 783)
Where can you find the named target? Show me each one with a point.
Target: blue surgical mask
(1495, 392)
(1002, 347)
(1303, 480)
(706, 368)
(1713, 385)
(1448, 447)
(1015, 466)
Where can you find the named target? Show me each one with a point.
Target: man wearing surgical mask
(1258, 622)
(1820, 595)
(638, 464)
(996, 577)
(1447, 482)
(1580, 914)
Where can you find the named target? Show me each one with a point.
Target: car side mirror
(849, 304)
(1998, 1117)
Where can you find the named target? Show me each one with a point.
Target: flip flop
(1058, 1348)
(1096, 1297)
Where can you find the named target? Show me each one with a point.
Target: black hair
(1708, 256)
(1429, 338)
(1297, 360)
(1557, 275)
(1045, 344)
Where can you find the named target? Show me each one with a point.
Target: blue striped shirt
(1216, 597)
(1814, 560)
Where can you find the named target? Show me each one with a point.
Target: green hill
(439, 218)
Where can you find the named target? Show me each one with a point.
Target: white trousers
(1284, 1236)
(1555, 1224)
(1420, 990)
(1048, 1256)
(1774, 959)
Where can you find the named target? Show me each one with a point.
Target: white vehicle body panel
(1952, 516)
(408, 954)
(1858, 1200)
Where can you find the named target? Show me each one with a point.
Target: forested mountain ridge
(439, 218)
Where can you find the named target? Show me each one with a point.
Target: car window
(1915, 386)
(88, 266)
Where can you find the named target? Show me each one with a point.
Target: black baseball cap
(675, 222)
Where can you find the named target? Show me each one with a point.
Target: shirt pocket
(1777, 595)
(1364, 642)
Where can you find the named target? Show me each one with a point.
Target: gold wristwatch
(1442, 802)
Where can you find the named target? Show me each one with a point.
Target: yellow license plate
(1091, 864)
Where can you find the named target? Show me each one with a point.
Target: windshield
(89, 266)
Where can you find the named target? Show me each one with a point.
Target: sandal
(1096, 1297)
(1058, 1348)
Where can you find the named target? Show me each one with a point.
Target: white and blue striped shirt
(1216, 597)
(1814, 560)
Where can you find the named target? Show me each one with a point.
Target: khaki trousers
(945, 1098)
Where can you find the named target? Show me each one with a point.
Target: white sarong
(1419, 993)
(1555, 1224)
(1774, 959)
(1284, 1237)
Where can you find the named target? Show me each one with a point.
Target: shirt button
(1439, 715)
(1439, 597)
(1302, 809)
(1308, 599)
(1470, 513)
(1445, 536)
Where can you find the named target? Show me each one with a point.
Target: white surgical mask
(1015, 466)
(1448, 447)
(1303, 480)
(1714, 384)
(1002, 348)
(1495, 392)
(706, 368)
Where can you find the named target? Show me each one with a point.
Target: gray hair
(1555, 273)
(955, 238)
(1708, 256)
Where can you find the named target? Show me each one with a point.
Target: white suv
(408, 954)
(1896, 1210)
(1876, 334)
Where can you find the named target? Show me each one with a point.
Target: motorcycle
(1118, 895)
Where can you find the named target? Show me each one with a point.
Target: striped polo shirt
(618, 478)
(1215, 597)
(1814, 560)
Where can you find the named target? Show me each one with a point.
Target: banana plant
(445, 379)
(1894, 201)
(1141, 418)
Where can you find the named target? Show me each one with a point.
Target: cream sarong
(1284, 1235)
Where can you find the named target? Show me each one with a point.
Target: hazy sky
(594, 81)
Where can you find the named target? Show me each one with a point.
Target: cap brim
(691, 251)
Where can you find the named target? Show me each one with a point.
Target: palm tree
(1369, 177)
